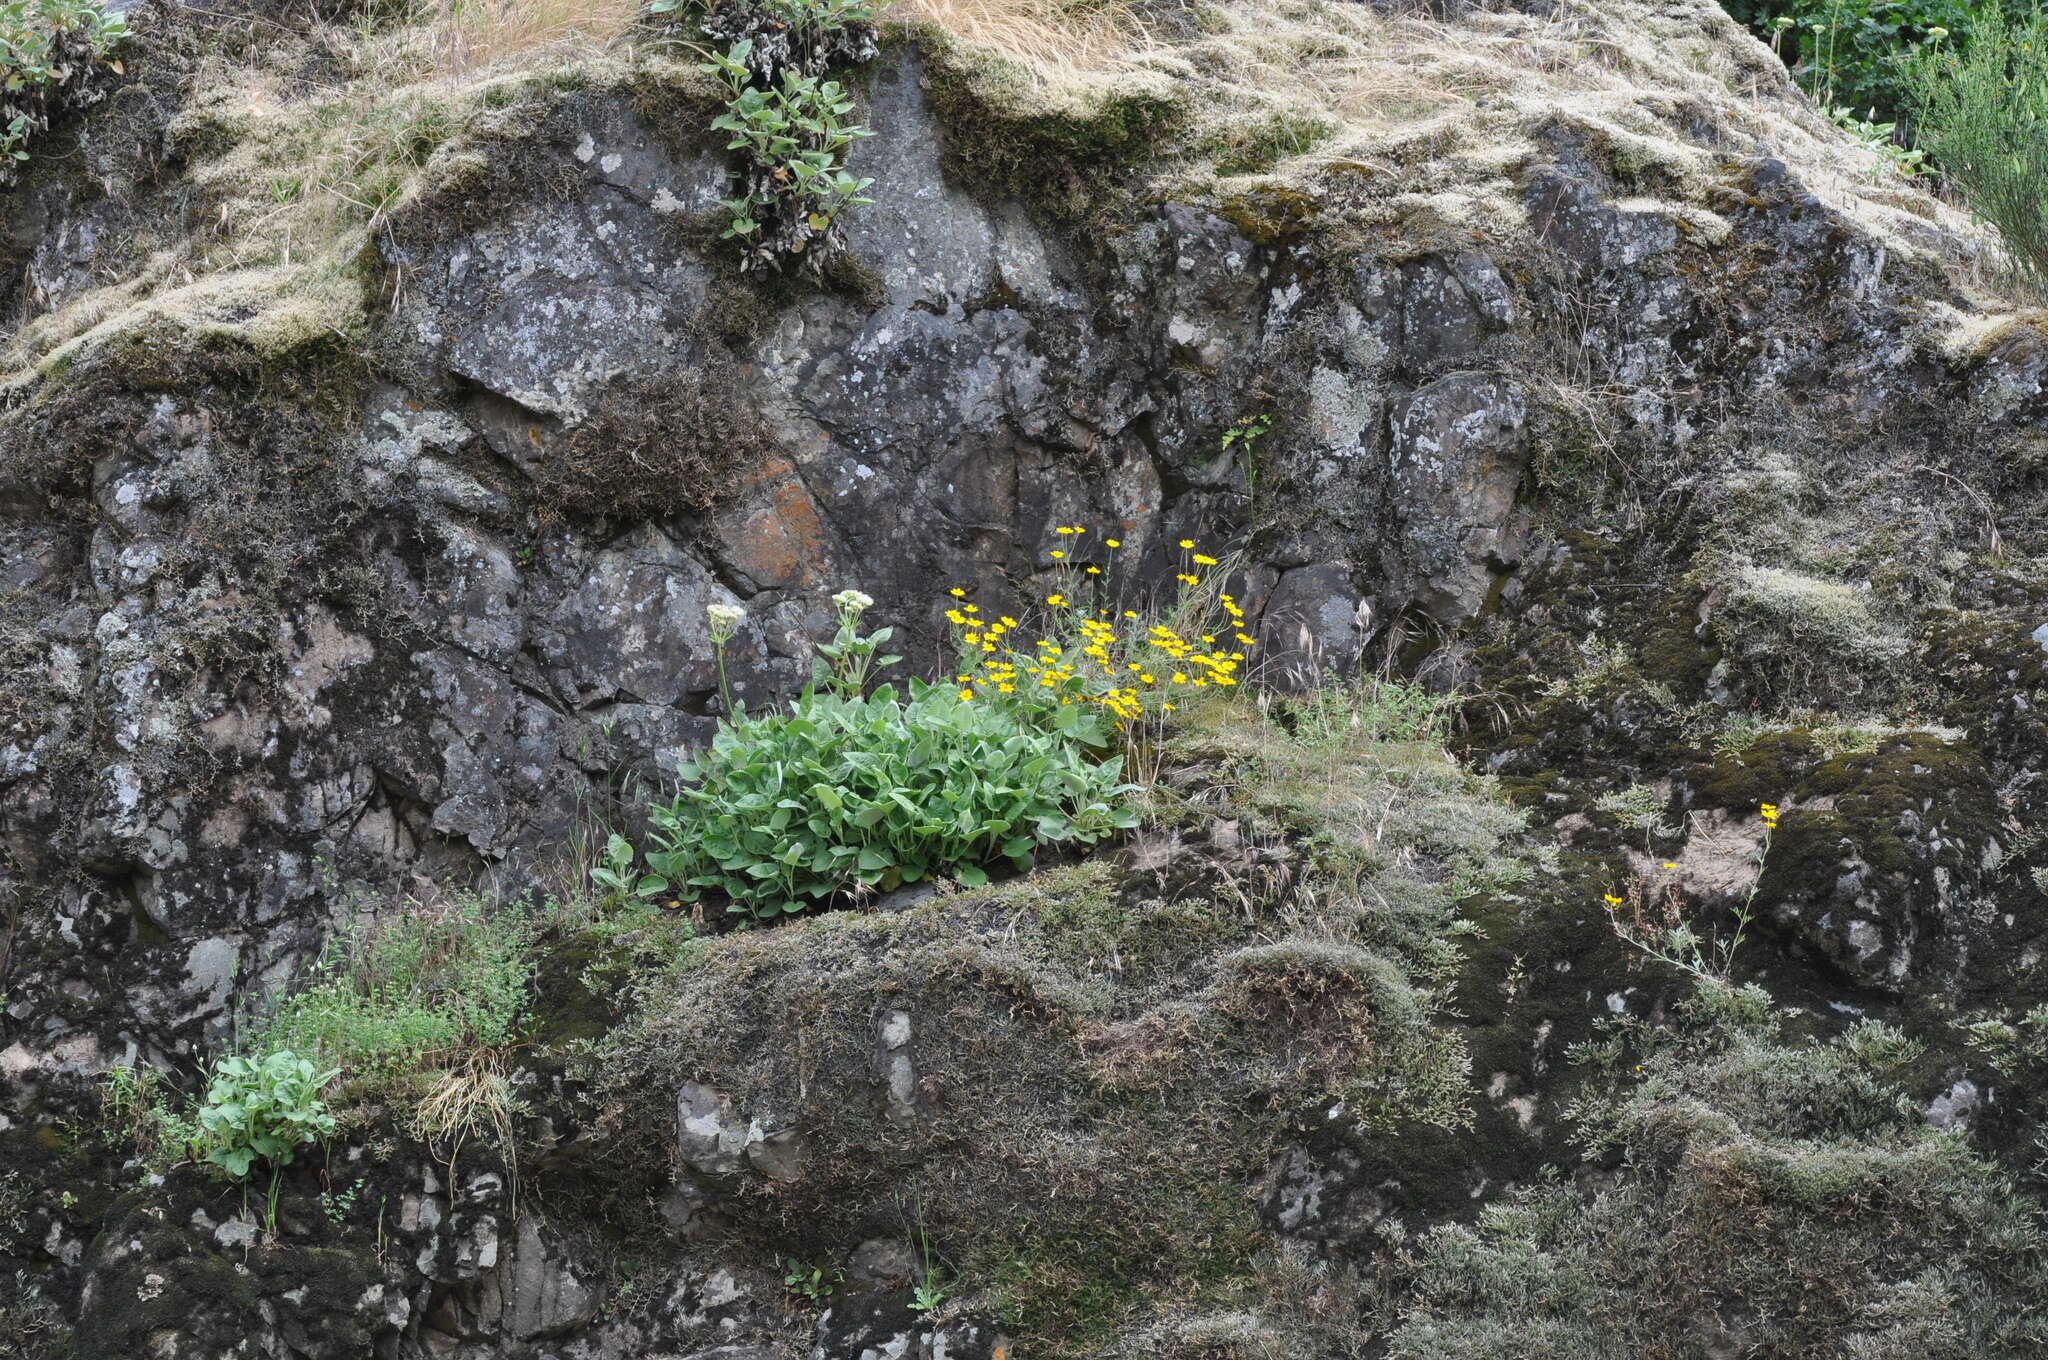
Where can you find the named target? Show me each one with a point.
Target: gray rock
(536, 1291)
(1316, 624)
(882, 1261)
(1459, 448)
(711, 1137)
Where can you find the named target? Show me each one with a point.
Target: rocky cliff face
(1617, 396)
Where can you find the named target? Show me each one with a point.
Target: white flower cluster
(725, 622)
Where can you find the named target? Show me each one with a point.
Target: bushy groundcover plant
(1768, 1196)
(853, 791)
(258, 1106)
(424, 988)
(417, 1009)
(1848, 53)
(47, 48)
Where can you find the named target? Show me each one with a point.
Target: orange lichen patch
(776, 535)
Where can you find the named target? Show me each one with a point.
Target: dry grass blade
(477, 33)
(1046, 35)
(474, 1100)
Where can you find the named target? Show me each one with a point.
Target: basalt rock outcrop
(1643, 412)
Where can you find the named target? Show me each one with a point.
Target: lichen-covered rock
(356, 546)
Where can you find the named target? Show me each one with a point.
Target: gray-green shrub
(1774, 1197)
(1981, 115)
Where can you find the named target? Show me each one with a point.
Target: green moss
(1070, 1286)
(1271, 214)
(1774, 1197)
(1107, 1057)
(1256, 145)
(1007, 131)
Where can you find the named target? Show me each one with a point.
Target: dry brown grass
(453, 38)
(1046, 36)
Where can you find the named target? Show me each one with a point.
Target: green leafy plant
(1881, 140)
(338, 1204)
(813, 1284)
(859, 794)
(418, 991)
(795, 136)
(263, 1109)
(843, 664)
(1981, 115)
(1244, 437)
(1850, 53)
(49, 49)
(616, 875)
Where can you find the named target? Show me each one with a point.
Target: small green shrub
(411, 993)
(1371, 708)
(1848, 53)
(263, 1109)
(48, 50)
(865, 794)
(140, 1108)
(1981, 115)
(813, 1284)
(1882, 141)
(787, 120)
(795, 137)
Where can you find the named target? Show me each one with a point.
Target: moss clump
(1772, 1198)
(1009, 131)
(1810, 637)
(1271, 214)
(1258, 144)
(655, 447)
(1105, 1058)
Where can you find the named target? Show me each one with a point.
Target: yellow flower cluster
(1089, 657)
